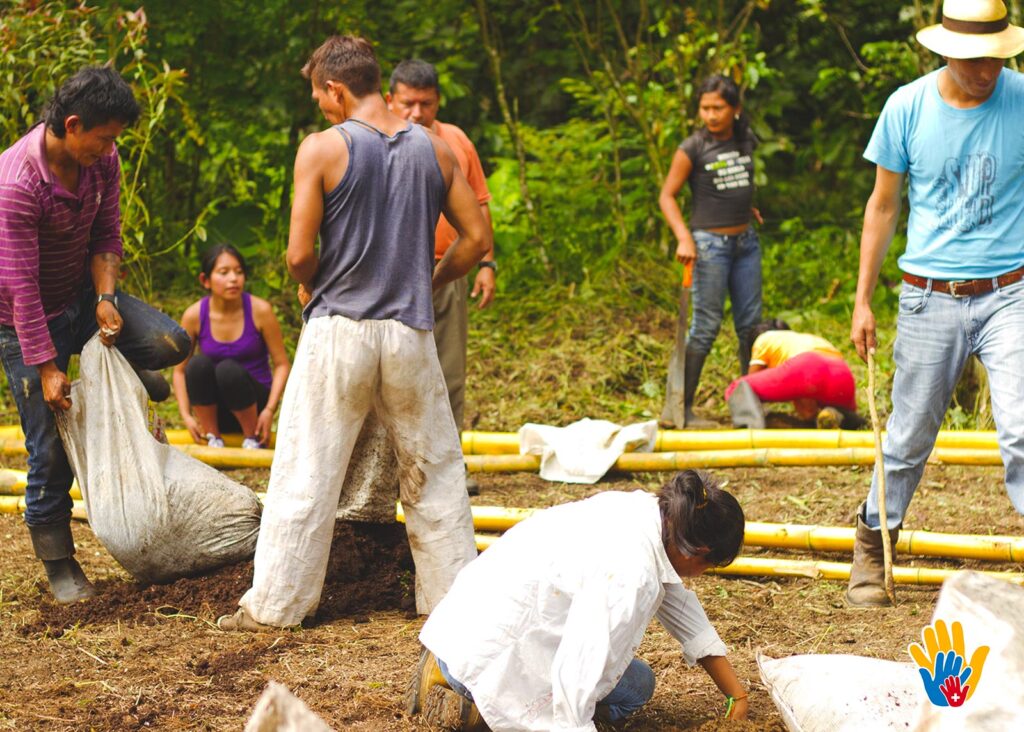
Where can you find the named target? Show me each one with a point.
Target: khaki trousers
(451, 327)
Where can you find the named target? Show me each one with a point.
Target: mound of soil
(370, 569)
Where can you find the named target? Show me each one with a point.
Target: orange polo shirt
(469, 163)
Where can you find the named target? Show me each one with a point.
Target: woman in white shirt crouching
(540, 631)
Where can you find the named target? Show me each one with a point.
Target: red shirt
(47, 235)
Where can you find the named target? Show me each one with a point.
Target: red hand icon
(952, 691)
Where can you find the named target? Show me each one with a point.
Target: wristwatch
(490, 264)
(112, 299)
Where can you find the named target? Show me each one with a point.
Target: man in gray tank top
(372, 188)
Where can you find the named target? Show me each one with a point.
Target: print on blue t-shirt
(965, 169)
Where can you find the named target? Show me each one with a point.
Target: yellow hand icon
(977, 662)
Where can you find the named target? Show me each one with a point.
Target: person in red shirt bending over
(60, 256)
(415, 96)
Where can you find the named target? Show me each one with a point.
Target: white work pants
(344, 369)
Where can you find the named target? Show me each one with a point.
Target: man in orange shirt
(415, 95)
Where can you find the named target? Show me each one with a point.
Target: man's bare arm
(880, 218)
(462, 209)
(307, 211)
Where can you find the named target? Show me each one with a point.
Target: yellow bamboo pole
(507, 443)
(771, 567)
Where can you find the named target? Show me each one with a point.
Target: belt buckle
(955, 285)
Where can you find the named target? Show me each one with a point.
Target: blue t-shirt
(966, 173)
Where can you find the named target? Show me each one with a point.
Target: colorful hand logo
(942, 664)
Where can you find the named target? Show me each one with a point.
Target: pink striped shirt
(47, 236)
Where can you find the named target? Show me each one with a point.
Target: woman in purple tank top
(229, 386)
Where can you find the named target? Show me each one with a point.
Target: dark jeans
(634, 689)
(227, 384)
(149, 340)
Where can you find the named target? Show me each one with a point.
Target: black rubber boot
(743, 351)
(694, 365)
(745, 408)
(55, 547)
(867, 573)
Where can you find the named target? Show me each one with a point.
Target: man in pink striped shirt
(60, 256)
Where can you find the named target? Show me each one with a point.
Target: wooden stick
(890, 585)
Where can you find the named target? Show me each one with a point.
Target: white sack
(837, 693)
(585, 450)
(278, 710)
(160, 513)
(991, 612)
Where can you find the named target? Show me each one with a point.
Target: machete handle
(688, 274)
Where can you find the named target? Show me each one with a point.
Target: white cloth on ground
(542, 625)
(344, 368)
(160, 513)
(583, 451)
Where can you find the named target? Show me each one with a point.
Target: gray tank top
(377, 233)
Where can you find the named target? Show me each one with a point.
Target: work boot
(694, 365)
(745, 407)
(54, 545)
(867, 574)
(426, 676)
(156, 385)
(829, 418)
(241, 621)
(743, 351)
(448, 709)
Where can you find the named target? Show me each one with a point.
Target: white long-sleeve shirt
(542, 625)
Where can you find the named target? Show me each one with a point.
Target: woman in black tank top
(720, 244)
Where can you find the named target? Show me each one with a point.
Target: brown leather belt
(966, 288)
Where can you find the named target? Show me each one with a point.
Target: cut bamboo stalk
(876, 425)
(770, 567)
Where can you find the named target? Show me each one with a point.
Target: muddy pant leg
(414, 408)
(329, 393)
(930, 352)
(1001, 351)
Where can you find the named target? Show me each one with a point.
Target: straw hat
(973, 29)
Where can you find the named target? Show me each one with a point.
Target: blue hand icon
(947, 663)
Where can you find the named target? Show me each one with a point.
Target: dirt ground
(151, 658)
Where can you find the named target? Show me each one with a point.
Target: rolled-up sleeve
(684, 618)
(105, 235)
(19, 272)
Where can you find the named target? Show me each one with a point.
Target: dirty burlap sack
(160, 513)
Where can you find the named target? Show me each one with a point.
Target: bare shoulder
(260, 307)
(321, 148)
(190, 318)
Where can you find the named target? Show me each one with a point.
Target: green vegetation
(575, 107)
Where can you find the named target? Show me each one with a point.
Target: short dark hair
(767, 325)
(696, 513)
(348, 59)
(211, 255)
(96, 94)
(416, 74)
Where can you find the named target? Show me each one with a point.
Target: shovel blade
(673, 414)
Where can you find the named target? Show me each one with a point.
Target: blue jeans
(935, 335)
(635, 688)
(149, 340)
(724, 264)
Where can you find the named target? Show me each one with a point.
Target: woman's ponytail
(696, 513)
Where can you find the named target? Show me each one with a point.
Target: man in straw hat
(956, 133)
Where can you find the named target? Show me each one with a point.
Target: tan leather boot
(867, 575)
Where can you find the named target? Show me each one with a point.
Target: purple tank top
(249, 350)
